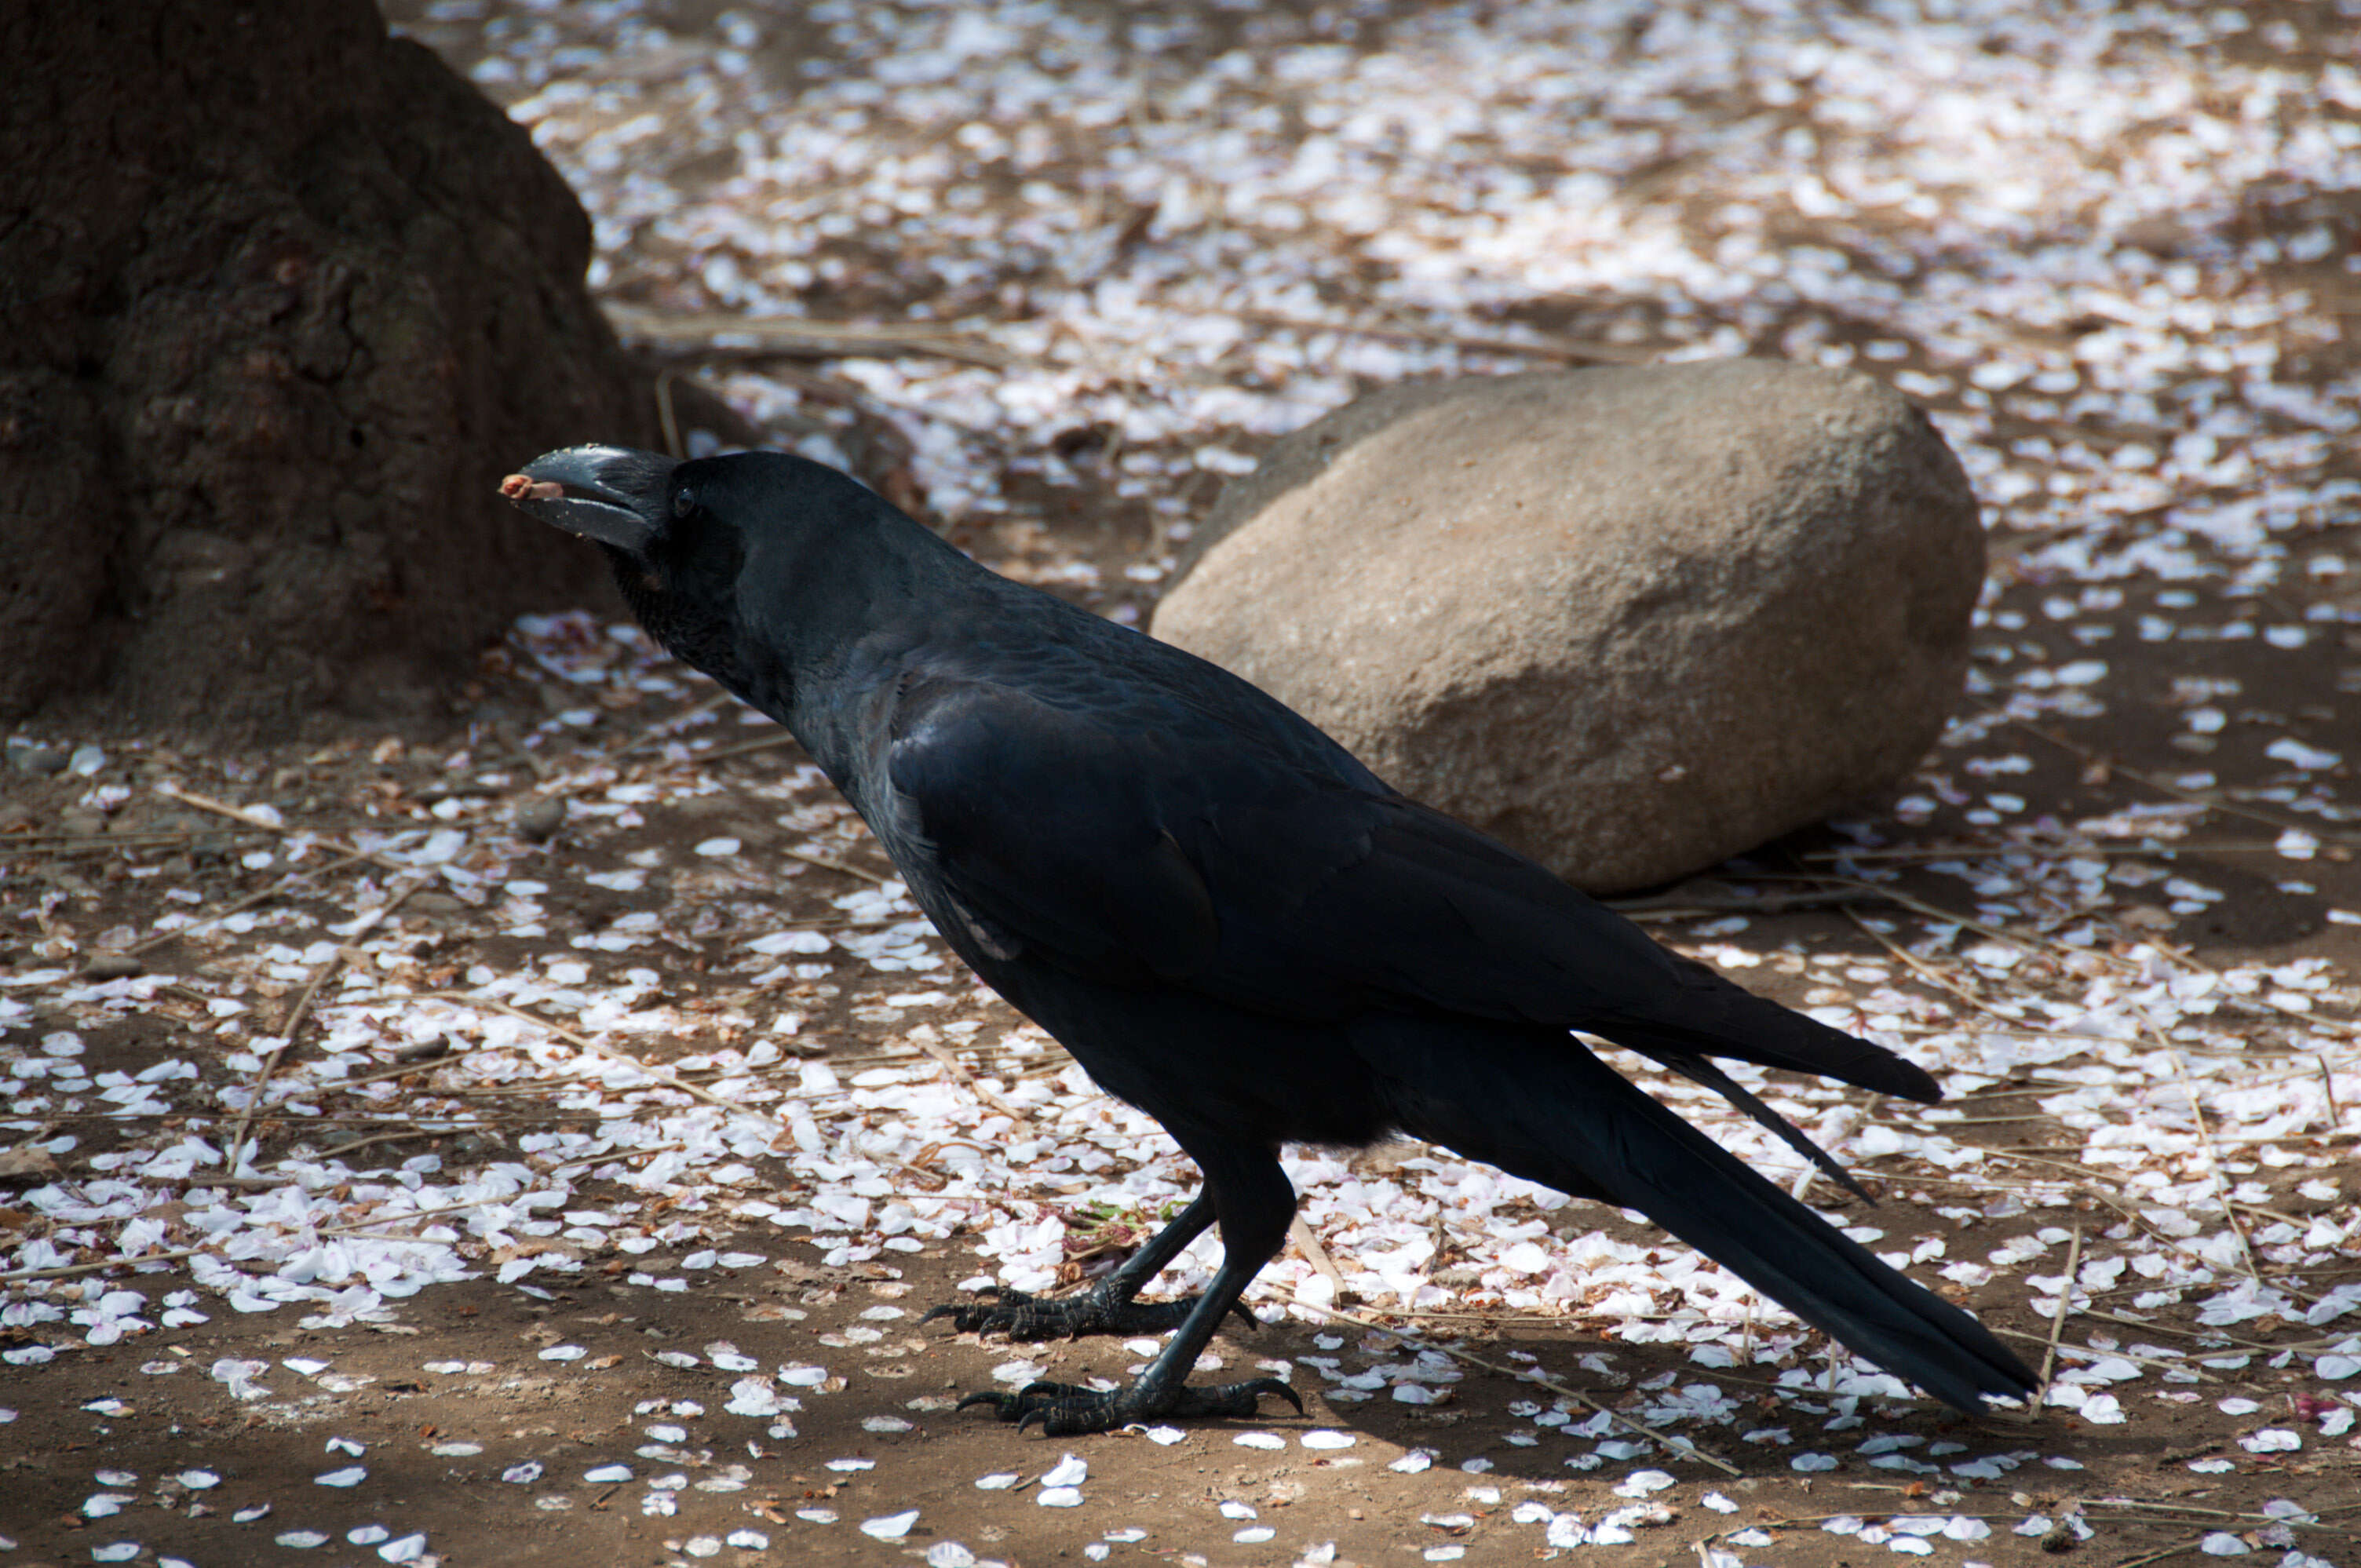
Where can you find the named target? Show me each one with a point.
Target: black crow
(1226, 918)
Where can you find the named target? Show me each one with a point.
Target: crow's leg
(1248, 1191)
(1106, 1307)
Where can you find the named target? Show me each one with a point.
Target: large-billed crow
(1230, 921)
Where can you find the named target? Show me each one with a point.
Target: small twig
(2160, 1555)
(393, 1137)
(252, 820)
(2097, 1189)
(2168, 1507)
(399, 1069)
(240, 814)
(1928, 972)
(295, 1021)
(957, 1069)
(66, 1271)
(665, 418)
(2312, 1022)
(250, 900)
(608, 1156)
(2065, 1305)
(724, 333)
(16, 845)
(1672, 907)
(767, 743)
(662, 1078)
(361, 1227)
(1582, 352)
(1950, 917)
(669, 729)
(2089, 1354)
(1307, 1242)
(2195, 797)
(2213, 1156)
(847, 867)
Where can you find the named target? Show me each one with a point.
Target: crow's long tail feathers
(1566, 1120)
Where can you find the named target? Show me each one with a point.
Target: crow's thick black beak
(616, 495)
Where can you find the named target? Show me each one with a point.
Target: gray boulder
(1632, 620)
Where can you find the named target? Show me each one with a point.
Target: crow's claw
(1068, 1409)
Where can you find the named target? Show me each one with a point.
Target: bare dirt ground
(540, 1138)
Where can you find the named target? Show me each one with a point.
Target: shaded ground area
(683, 1327)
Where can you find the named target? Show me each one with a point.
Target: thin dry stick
(607, 1155)
(404, 1068)
(1951, 917)
(722, 333)
(1588, 352)
(1672, 1440)
(669, 729)
(1927, 972)
(66, 1271)
(2149, 1325)
(393, 1137)
(2160, 1555)
(767, 743)
(2088, 1354)
(249, 901)
(93, 843)
(2253, 1005)
(968, 1080)
(239, 814)
(2168, 1507)
(1307, 1242)
(668, 1080)
(293, 1022)
(2065, 1305)
(2212, 1158)
(847, 867)
(361, 1227)
(2195, 797)
(2097, 1190)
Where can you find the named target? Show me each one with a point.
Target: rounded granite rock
(1632, 620)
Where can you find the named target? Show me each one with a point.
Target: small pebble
(537, 820)
(41, 762)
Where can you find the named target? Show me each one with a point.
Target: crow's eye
(684, 501)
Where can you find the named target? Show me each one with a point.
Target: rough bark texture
(1633, 622)
(281, 300)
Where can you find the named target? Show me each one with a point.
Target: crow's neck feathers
(799, 590)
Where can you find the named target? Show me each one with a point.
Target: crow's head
(676, 558)
(755, 559)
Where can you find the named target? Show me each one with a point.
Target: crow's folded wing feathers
(1044, 838)
(1269, 878)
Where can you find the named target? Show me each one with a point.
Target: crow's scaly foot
(1066, 1410)
(1097, 1312)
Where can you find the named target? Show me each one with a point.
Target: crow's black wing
(1040, 834)
(1139, 845)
